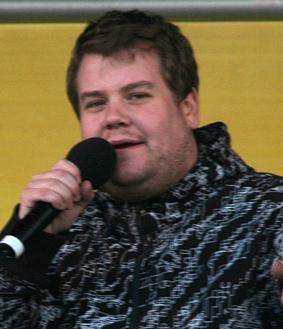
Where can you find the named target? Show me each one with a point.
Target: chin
(127, 177)
(127, 188)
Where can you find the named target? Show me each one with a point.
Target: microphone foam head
(96, 159)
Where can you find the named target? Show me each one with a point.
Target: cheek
(163, 128)
(89, 127)
(158, 136)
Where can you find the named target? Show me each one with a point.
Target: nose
(116, 115)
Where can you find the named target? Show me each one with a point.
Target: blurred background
(238, 45)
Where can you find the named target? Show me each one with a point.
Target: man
(181, 235)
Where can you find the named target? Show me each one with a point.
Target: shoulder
(264, 197)
(258, 197)
(262, 184)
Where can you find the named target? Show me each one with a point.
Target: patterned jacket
(197, 257)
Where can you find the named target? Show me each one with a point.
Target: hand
(63, 188)
(277, 273)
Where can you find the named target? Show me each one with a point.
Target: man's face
(125, 100)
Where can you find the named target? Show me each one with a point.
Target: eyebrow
(138, 84)
(89, 94)
(126, 88)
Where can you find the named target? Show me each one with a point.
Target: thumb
(87, 193)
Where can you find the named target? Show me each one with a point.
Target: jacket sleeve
(28, 294)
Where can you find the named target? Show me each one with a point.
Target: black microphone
(96, 159)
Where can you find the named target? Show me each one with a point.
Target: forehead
(98, 69)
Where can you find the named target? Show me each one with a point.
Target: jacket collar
(217, 163)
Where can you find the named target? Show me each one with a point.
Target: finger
(49, 190)
(67, 217)
(277, 273)
(31, 197)
(56, 179)
(277, 269)
(58, 186)
(87, 192)
(68, 166)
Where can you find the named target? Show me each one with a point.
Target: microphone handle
(40, 216)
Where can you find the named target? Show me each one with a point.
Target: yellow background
(241, 69)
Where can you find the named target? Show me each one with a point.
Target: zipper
(146, 226)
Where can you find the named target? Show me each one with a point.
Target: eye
(98, 104)
(138, 96)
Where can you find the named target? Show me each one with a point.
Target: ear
(190, 109)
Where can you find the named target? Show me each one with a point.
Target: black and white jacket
(198, 257)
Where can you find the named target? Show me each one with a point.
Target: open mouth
(125, 145)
